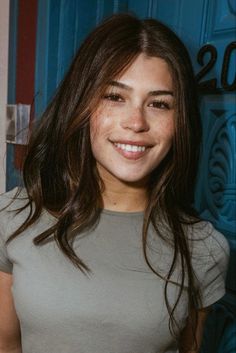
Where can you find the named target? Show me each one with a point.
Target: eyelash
(113, 97)
(160, 104)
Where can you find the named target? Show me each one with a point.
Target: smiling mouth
(130, 148)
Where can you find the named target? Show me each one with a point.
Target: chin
(132, 179)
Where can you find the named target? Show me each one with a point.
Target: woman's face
(133, 126)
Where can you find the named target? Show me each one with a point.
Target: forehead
(147, 70)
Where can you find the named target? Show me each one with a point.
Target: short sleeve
(5, 199)
(5, 263)
(214, 268)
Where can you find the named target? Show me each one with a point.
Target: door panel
(212, 23)
(60, 33)
(61, 27)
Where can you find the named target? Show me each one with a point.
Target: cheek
(95, 127)
(164, 132)
(170, 130)
(101, 124)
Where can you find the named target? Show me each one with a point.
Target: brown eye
(113, 97)
(160, 105)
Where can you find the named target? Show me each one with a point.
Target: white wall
(4, 35)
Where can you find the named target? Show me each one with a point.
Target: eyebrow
(160, 92)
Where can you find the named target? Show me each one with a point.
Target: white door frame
(4, 44)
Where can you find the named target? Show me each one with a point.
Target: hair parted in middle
(60, 171)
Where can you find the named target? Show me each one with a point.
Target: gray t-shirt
(119, 307)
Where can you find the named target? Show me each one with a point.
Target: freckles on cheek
(93, 132)
(94, 125)
(170, 127)
(100, 128)
(171, 131)
(166, 130)
(101, 124)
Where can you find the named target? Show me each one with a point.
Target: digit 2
(212, 83)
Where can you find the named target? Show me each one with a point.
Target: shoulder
(10, 204)
(13, 199)
(205, 239)
(15, 209)
(10, 220)
(210, 256)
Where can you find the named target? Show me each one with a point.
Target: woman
(109, 180)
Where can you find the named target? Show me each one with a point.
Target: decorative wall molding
(216, 186)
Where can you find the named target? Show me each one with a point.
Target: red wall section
(26, 53)
(26, 45)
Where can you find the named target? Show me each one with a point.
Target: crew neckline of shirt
(122, 213)
(106, 212)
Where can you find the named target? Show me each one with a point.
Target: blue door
(208, 28)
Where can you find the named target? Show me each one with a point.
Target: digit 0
(225, 69)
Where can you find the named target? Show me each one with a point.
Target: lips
(141, 143)
(131, 149)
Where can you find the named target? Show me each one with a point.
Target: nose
(135, 120)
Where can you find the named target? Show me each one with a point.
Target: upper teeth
(130, 148)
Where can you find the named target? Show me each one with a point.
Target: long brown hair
(60, 172)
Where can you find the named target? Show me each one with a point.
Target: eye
(113, 97)
(160, 104)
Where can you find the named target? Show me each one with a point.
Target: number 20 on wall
(211, 85)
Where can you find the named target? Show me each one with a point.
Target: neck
(122, 196)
